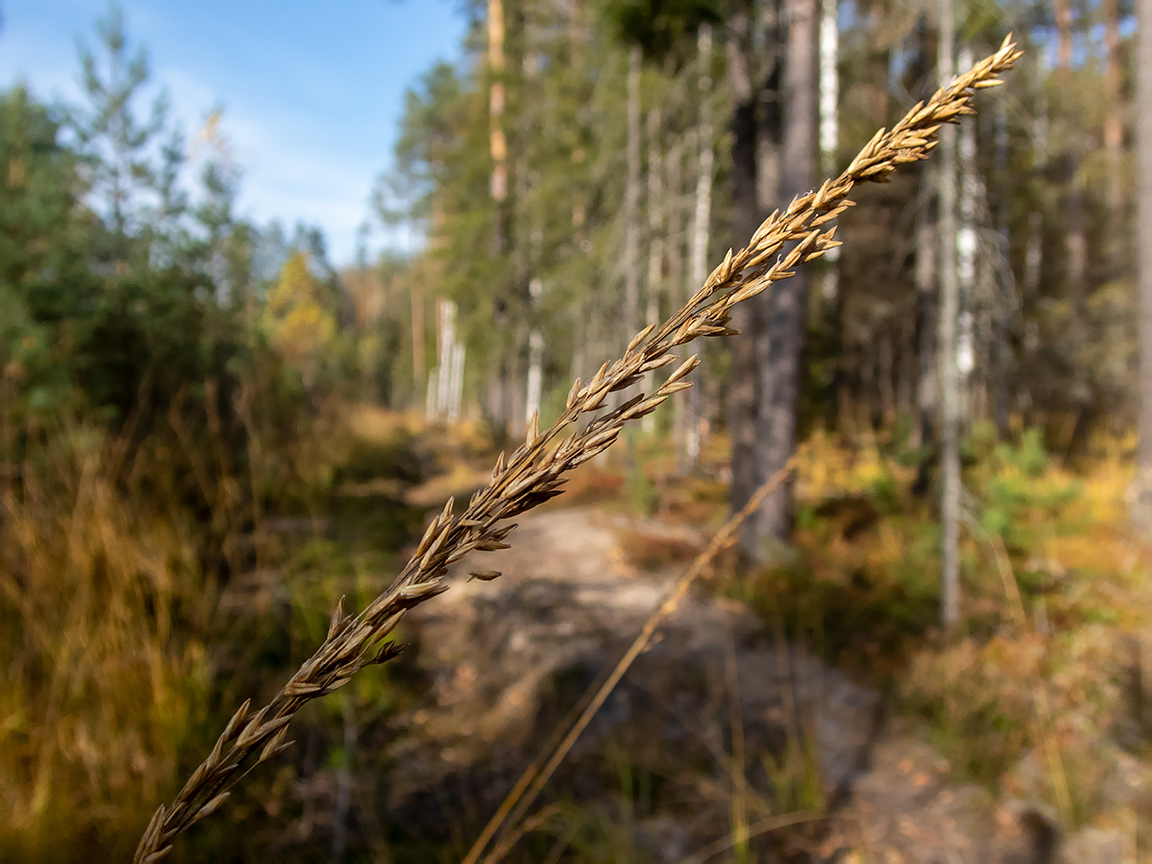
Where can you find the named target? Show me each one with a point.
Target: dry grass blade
(764, 826)
(532, 782)
(533, 473)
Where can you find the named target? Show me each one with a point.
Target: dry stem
(533, 473)
(535, 777)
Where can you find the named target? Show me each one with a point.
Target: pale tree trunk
(535, 384)
(966, 240)
(456, 383)
(949, 378)
(677, 296)
(446, 348)
(655, 238)
(1143, 510)
(632, 200)
(778, 355)
(742, 377)
(701, 225)
(829, 127)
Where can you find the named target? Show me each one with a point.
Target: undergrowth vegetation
(1034, 694)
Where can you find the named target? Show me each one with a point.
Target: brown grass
(534, 472)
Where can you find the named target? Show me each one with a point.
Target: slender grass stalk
(534, 778)
(534, 472)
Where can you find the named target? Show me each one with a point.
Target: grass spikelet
(353, 646)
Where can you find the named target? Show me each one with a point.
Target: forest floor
(810, 713)
(569, 602)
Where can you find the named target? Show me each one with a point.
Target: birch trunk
(949, 379)
(655, 239)
(829, 126)
(632, 200)
(701, 225)
(674, 189)
(966, 240)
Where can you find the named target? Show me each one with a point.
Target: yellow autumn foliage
(302, 330)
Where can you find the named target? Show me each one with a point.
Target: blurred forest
(209, 432)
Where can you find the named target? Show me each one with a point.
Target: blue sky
(311, 91)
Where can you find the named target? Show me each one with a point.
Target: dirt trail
(507, 659)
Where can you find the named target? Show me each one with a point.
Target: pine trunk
(778, 352)
(742, 378)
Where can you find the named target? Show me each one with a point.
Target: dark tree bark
(785, 309)
(742, 381)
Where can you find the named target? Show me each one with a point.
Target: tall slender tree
(632, 199)
(948, 316)
(656, 229)
(747, 214)
(781, 342)
(704, 154)
(116, 143)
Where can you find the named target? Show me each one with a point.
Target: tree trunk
(778, 353)
(746, 217)
(1143, 510)
(677, 296)
(1076, 244)
(1004, 291)
(500, 367)
(655, 238)
(829, 127)
(701, 226)
(966, 241)
(927, 243)
(949, 379)
(632, 200)
(417, 297)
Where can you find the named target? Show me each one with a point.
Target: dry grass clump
(533, 473)
(101, 685)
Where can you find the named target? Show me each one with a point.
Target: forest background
(208, 432)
